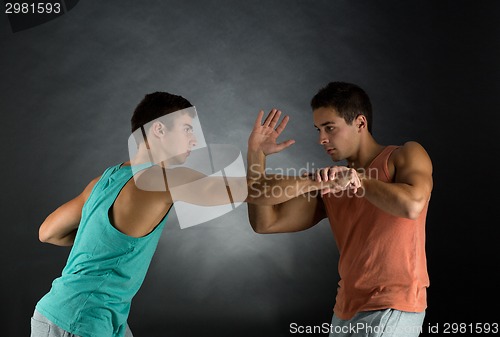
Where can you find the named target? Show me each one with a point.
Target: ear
(361, 122)
(158, 129)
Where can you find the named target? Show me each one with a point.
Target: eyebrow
(188, 125)
(325, 123)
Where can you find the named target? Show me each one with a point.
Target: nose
(193, 140)
(323, 139)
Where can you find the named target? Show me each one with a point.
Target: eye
(330, 128)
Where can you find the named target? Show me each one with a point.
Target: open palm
(265, 134)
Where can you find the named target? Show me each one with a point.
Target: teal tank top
(105, 267)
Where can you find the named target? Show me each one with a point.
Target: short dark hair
(155, 105)
(348, 99)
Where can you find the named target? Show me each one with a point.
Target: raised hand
(265, 134)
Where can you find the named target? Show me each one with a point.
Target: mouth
(330, 150)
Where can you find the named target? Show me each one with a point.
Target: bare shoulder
(86, 192)
(411, 149)
(413, 154)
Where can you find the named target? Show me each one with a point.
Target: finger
(325, 174)
(282, 125)
(283, 145)
(318, 175)
(355, 178)
(340, 172)
(353, 185)
(270, 117)
(333, 173)
(275, 119)
(358, 183)
(258, 121)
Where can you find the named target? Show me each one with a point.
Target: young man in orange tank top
(376, 206)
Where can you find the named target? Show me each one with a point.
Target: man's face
(338, 138)
(179, 139)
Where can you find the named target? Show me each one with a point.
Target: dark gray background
(69, 87)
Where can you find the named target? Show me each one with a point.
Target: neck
(367, 151)
(144, 156)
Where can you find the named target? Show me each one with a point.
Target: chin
(178, 160)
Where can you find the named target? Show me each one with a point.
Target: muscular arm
(297, 214)
(412, 186)
(60, 227)
(284, 204)
(194, 187)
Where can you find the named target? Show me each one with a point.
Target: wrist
(255, 151)
(363, 178)
(309, 184)
(256, 163)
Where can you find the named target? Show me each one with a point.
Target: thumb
(283, 145)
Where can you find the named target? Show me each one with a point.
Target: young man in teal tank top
(114, 225)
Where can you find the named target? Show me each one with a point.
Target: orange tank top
(382, 257)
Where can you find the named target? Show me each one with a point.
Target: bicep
(66, 218)
(298, 214)
(69, 213)
(414, 168)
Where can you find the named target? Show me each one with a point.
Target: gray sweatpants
(379, 323)
(42, 327)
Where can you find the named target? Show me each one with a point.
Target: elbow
(259, 227)
(414, 209)
(412, 215)
(259, 231)
(44, 235)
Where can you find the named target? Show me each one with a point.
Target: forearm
(277, 189)
(256, 164)
(64, 241)
(269, 189)
(395, 198)
(60, 227)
